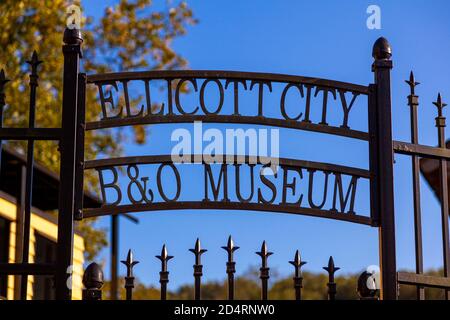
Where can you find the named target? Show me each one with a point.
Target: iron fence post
(381, 68)
(331, 269)
(231, 266)
(413, 102)
(198, 269)
(129, 279)
(443, 191)
(264, 270)
(72, 55)
(164, 273)
(114, 254)
(298, 278)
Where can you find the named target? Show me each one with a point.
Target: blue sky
(325, 39)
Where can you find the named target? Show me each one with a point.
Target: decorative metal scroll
(260, 191)
(202, 83)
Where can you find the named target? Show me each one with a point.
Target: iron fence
(382, 148)
(93, 276)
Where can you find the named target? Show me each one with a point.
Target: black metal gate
(380, 174)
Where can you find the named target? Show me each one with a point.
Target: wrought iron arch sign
(174, 112)
(378, 136)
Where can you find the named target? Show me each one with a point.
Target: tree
(130, 35)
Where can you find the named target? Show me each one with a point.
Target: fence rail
(93, 276)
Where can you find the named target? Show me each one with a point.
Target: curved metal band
(164, 119)
(198, 205)
(160, 159)
(219, 74)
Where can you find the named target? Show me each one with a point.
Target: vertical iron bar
(443, 191)
(114, 254)
(231, 266)
(264, 270)
(20, 216)
(198, 268)
(385, 174)
(298, 278)
(373, 155)
(34, 63)
(79, 156)
(72, 55)
(129, 279)
(413, 102)
(331, 269)
(164, 274)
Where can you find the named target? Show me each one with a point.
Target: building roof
(45, 182)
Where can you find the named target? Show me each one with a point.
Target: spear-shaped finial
(297, 263)
(298, 279)
(231, 266)
(198, 251)
(198, 268)
(130, 263)
(164, 274)
(34, 62)
(129, 279)
(331, 269)
(412, 83)
(439, 104)
(264, 254)
(264, 270)
(164, 257)
(3, 79)
(230, 248)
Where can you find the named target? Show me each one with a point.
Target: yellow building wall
(49, 230)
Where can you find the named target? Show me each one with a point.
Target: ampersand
(133, 174)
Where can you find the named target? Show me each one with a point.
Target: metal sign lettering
(292, 189)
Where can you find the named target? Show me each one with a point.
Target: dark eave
(45, 182)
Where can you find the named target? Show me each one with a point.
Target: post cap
(93, 276)
(72, 36)
(381, 49)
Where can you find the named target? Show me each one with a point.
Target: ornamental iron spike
(164, 274)
(264, 254)
(231, 266)
(197, 251)
(129, 279)
(3, 79)
(34, 61)
(230, 248)
(130, 263)
(298, 278)
(439, 104)
(412, 83)
(264, 270)
(297, 263)
(198, 268)
(164, 258)
(331, 269)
